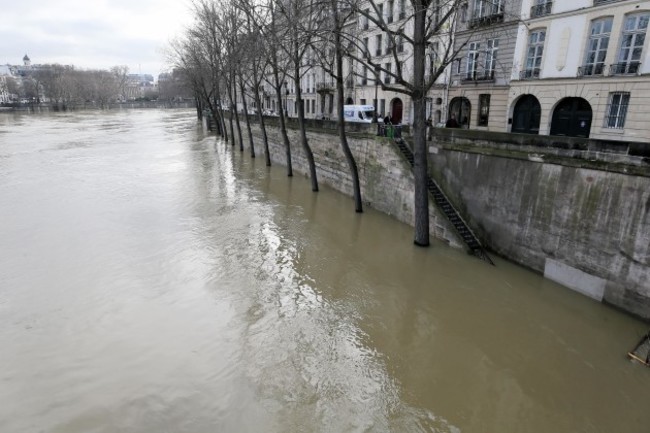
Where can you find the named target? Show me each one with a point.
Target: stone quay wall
(575, 210)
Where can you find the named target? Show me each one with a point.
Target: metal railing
(529, 74)
(596, 69)
(486, 20)
(626, 68)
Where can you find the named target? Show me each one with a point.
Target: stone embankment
(576, 210)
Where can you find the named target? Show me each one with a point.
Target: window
(534, 54)
(400, 44)
(382, 106)
(306, 105)
(632, 40)
(389, 12)
(363, 102)
(491, 58)
(541, 8)
(380, 12)
(389, 43)
(313, 106)
(483, 109)
(366, 51)
(402, 9)
(365, 23)
(364, 78)
(597, 47)
(378, 45)
(487, 8)
(472, 60)
(616, 110)
(387, 74)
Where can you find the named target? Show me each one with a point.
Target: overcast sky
(91, 34)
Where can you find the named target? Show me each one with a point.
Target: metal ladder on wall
(443, 203)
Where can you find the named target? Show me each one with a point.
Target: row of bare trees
(66, 87)
(237, 49)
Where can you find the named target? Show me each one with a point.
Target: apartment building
(582, 68)
(485, 39)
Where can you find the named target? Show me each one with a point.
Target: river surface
(154, 279)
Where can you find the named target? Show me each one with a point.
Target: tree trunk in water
(248, 122)
(241, 136)
(265, 138)
(420, 169)
(303, 132)
(283, 126)
(358, 206)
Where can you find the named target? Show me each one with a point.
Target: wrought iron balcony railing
(478, 76)
(325, 86)
(486, 20)
(625, 68)
(596, 69)
(529, 74)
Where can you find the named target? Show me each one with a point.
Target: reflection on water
(152, 279)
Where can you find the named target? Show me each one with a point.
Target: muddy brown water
(154, 279)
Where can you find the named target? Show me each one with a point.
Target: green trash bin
(391, 131)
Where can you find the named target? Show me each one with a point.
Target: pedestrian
(452, 123)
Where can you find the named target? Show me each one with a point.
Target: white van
(358, 113)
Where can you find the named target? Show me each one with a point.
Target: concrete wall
(581, 217)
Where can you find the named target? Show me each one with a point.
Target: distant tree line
(65, 87)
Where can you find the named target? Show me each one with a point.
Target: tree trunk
(420, 170)
(283, 126)
(242, 89)
(358, 206)
(301, 122)
(234, 91)
(265, 139)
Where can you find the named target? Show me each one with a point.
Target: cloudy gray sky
(91, 34)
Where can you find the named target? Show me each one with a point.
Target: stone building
(582, 68)
(485, 38)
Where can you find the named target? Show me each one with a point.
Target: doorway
(572, 118)
(526, 115)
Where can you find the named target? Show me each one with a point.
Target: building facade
(582, 68)
(485, 40)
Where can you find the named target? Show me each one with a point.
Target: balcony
(477, 77)
(592, 70)
(541, 10)
(486, 20)
(604, 2)
(628, 68)
(325, 87)
(529, 74)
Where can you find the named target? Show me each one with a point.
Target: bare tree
(298, 20)
(429, 21)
